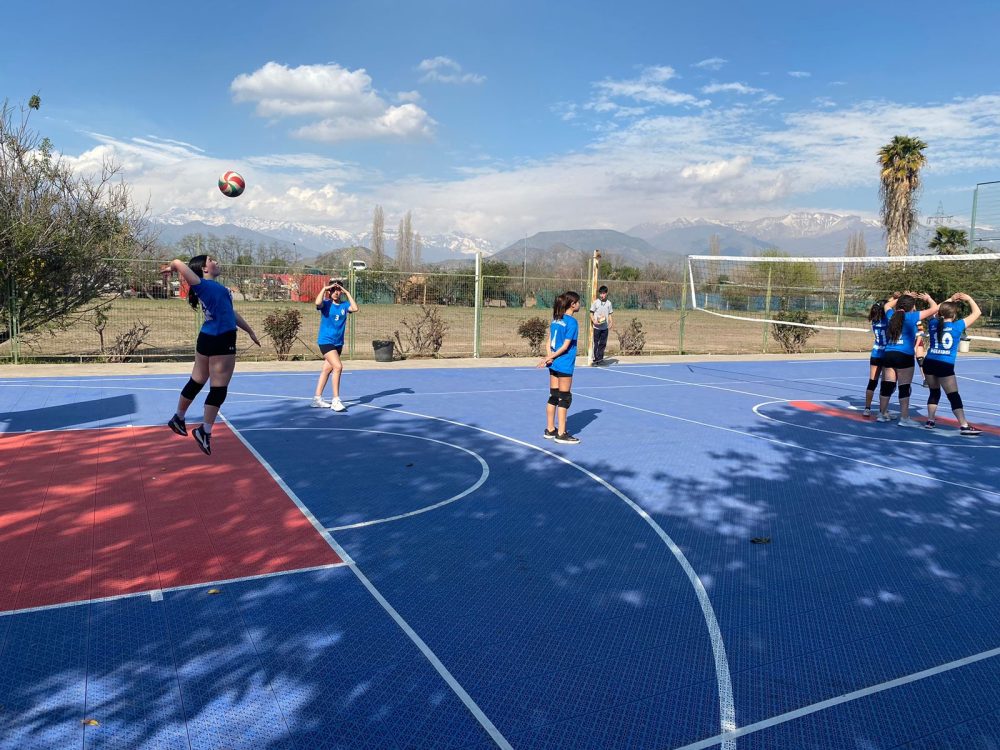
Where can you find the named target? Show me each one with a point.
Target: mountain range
(801, 233)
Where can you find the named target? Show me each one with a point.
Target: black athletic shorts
(557, 374)
(215, 346)
(897, 360)
(327, 348)
(938, 369)
(876, 361)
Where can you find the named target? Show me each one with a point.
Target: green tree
(900, 162)
(56, 230)
(788, 281)
(949, 241)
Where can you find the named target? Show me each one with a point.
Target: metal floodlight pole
(351, 286)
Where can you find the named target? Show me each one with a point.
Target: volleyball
(232, 184)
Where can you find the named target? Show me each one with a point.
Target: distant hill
(572, 245)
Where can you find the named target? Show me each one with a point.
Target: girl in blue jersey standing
(333, 309)
(879, 319)
(945, 332)
(215, 352)
(561, 360)
(898, 363)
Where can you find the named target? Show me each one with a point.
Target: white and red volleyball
(232, 184)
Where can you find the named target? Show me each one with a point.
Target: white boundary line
(482, 462)
(975, 380)
(470, 704)
(156, 594)
(775, 441)
(727, 708)
(845, 698)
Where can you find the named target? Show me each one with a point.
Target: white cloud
(445, 70)
(350, 108)
(648, 88)
(731, 88)
(799, 74)
(717, 170)
(712, 63)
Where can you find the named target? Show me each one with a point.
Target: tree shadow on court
(61, 416)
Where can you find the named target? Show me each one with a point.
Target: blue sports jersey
(217, 304)
(878, 331)
(908, 338)
(332, 322)
(951, 334)
(560, 331)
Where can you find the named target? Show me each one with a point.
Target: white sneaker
(319, 403)
(883, 417)
(866, 413)
(338, 405)
(907, 422)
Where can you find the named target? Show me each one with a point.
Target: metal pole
(680, 333)
(351, 286)
(972, 226)
(767, 307)
(477, 320)
(840, 305)
(591, 292)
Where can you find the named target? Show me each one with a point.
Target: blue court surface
(483, 587)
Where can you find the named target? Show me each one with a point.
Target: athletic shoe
(883, 417)
(549, 434)
(319, 403)
(970, 431)
(906, 422)
(203, 439)
(338, 405)
(177, 425)
(866, 413)
(566, 439)
(930, 424)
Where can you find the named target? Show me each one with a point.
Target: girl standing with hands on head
(215, 352)
(946, 332)
(561, 360)
(879, 319)
(333, 303)
(901, 335)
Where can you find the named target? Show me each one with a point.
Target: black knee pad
(955, 400)
(872, 383)
(553, 396)
(216, 395)
(191, 389)
(565, 399)
(888, 388)
(934, 396)
(904, 391)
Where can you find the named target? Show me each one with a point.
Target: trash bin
(963, 344)
(383, 350)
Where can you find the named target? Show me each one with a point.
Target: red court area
(856, 416)
(86, 514)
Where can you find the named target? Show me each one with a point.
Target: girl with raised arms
(945, 332)
(898, 363)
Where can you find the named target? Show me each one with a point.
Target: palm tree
(900, 162)
(948, 241)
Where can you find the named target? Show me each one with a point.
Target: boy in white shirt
(601, 311)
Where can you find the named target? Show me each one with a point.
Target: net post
(767, 307)
(840, 305)
(972, 226)
(680, 327)
(477, 319)
(351, 286)
(591, 295)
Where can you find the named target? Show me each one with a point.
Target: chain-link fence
(144, 315)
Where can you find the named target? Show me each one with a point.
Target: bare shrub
(282, 326)
(631, 339)
(792, 338)
(127, 343)
(424, 334)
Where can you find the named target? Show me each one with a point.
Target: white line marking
(484, 475)
(727, 709)
(470, 704)
(845, 698)
(695, 385)
(152, 593)
(976, 380)
(787, 444)
(942, 432)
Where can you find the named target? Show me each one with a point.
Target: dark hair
(559, 307)
(602, 290)
(894, 330)
(877, 312)
(946, 310)
(196, 264)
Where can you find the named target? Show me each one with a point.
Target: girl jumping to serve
(939, 365)
(215, 352)
(561, 360)
(901, 335)
(333, 309)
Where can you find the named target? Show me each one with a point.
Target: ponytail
(877, 313)
(559, 307)
(894, 330)
(196, 264)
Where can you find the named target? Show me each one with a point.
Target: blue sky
(505, 118)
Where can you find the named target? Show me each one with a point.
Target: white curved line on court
(727, 706)
(901, 441)
(479, 483)
(975, 380)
